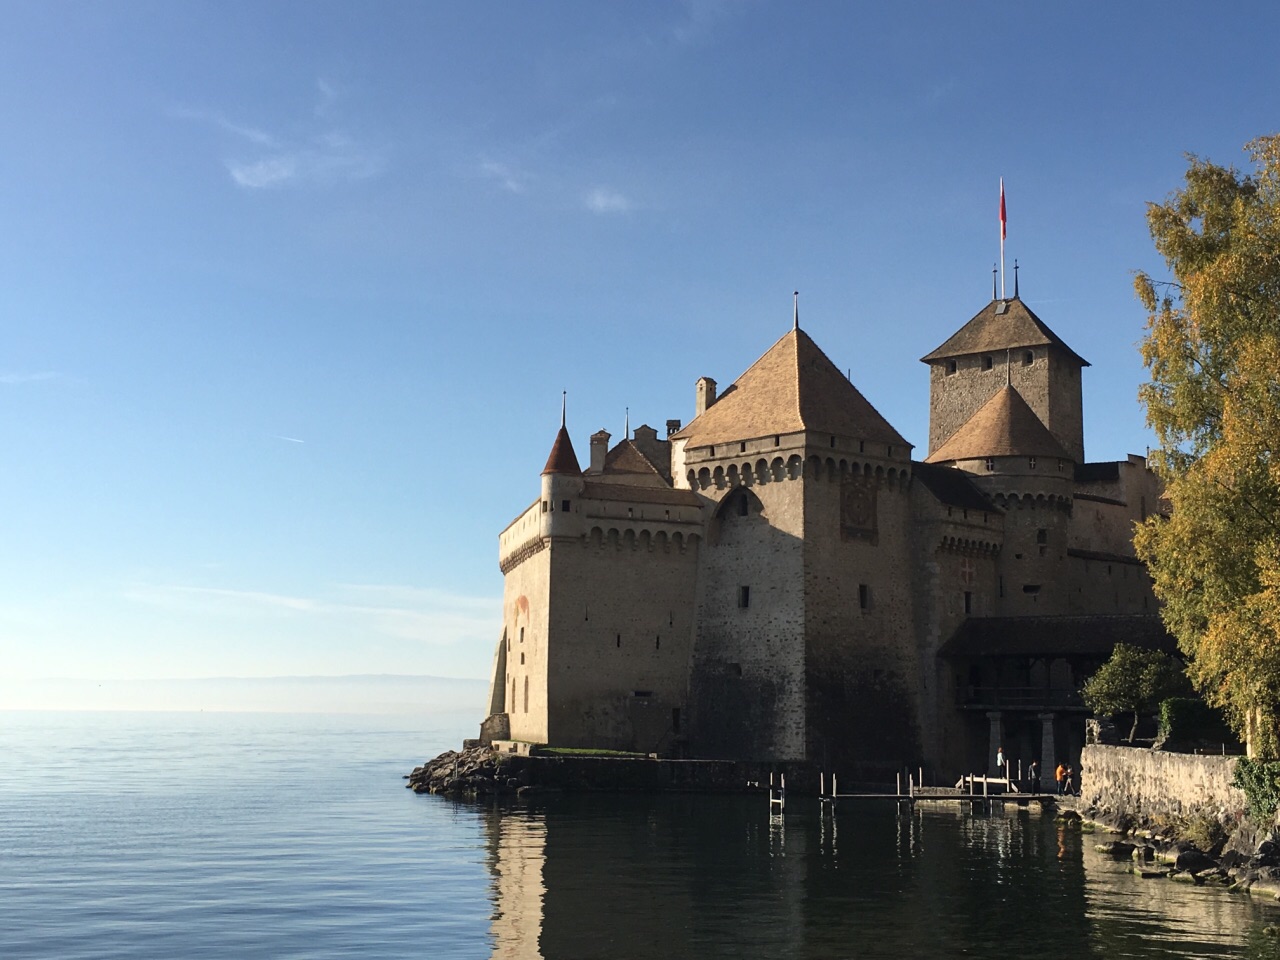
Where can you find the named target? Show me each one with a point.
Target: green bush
(1260, 781)
(1190, 720)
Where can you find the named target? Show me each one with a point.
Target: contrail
(290, 439)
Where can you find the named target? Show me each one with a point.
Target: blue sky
(289, 291)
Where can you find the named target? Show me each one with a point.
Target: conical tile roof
(1001, 325)
(562, 459)
(1004, 426)
(792, 388)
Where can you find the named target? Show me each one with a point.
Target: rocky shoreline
(1243, 859)
(470, 774)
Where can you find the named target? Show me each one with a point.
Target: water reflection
(620, 877)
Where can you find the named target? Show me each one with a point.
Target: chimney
(599, 449)
(673, 426)
(705, 392)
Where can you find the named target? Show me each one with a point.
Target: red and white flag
(1003, 219)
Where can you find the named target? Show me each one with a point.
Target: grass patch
(586, 752)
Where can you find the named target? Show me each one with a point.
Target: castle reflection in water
(697, 876)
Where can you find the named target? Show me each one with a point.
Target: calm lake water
(232, 835)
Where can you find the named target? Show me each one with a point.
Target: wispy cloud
(408, 613)
(606, 200)
(508, 176)
(29, 377)
(262, 160)
(290, 439)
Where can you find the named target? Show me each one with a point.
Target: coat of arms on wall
(858, 508)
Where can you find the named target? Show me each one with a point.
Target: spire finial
(795, 314)
(626, 425)
(1015, 278)
(564, 399)
(994, 290)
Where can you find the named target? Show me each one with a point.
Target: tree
(1213, 350)
(1134, 680)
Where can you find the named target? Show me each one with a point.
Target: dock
(993, 791)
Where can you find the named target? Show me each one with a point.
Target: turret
(561, 487)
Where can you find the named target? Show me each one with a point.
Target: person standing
(1060, 775)
(1033, 775)
(1000, 769)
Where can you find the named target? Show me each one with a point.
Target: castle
(779, 580)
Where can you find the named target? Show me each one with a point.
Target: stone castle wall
(622, 616)
(1126, 781)
(748, 685)
(862, 664)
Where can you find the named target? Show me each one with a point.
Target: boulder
(1119, 849)
(1193, 861)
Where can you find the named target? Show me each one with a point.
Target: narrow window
(564, 506)
(1042, 535)
(862, 446)
(526, 694)
(1060, 466)
(742, 506)
(618, 641)
(713, 452)
(1031, 588)
(512, 706)
(951, 367)
(777, 442)
(968, 601)
(657, 643)
(864, 596)
(986, 363)
(631, 512)
(888, 451)
(833, 441)
(522, 659)
(642, 694)
(991, 464)
(1027, 358)
(544, 506)
(522, 634)
(744, 597)
(742, 447)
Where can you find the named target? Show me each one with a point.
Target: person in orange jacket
(1060, 775)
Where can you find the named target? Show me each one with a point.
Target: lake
(194, 835)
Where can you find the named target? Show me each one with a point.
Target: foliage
(1213, 350)
(1191, 720)
(1134, 680)
(1260, 781)
(1205, 831)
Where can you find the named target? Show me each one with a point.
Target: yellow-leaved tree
(1213, 349)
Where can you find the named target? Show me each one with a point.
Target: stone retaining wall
(1140, 783)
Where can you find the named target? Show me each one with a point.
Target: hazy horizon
(389, 694)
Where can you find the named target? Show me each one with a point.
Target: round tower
(561, 488)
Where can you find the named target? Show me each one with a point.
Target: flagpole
(1001, 237)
